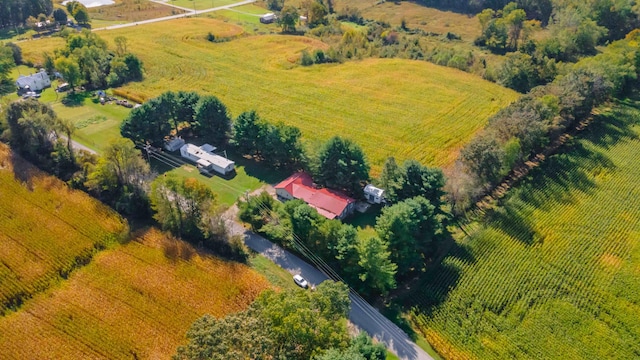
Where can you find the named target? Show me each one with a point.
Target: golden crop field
(46, 230)
(555, 272)
(404, 108)
(133, 302)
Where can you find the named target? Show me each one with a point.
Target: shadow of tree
(259, 170)
(74, 99)
(23, 170)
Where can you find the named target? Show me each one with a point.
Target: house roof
(370, 189)
(30, 80)
(207, 157)
(329, 203)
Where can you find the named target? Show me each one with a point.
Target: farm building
(268, 18)
(174, 144)
(206, 160)
(373, 194)
(34, 82)
(329, 203)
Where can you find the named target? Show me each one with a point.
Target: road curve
(363, 315)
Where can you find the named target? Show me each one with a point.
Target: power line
(321, 265)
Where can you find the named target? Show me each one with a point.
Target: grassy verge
(274, 273)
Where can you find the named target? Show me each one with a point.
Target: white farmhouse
(34, 82)
(206, 160)
(373, 194)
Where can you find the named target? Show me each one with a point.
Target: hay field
(136, 301)
(46, 230)
(554, 273)
(409, 109)
(130, 11)
(404, 108)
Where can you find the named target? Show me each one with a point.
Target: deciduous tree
(212, 120)
(342, 165)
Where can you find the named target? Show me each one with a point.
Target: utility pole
(147, 147)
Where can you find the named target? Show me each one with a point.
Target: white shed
(373, 194)
(34, 82)
(268, 18)
(207, 160)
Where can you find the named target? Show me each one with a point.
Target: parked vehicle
(300, 281)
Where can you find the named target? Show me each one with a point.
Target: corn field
(554, 271)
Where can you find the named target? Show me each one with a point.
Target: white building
(35, 82)
(268, 18)
(206, 160)
(373, 194)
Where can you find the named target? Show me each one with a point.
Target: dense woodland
(16, 12)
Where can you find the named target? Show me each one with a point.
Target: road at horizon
(186, 14)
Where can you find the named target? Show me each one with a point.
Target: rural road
(187, 14)
(77, 146)
(363, 315)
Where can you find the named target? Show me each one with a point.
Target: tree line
(539, 118)
(283, 325)
(16, 12)
(87, 60)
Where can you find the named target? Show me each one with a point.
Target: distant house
(373, 194)
(329, 203)
(206, 160)
(34, 82)
(268, 18)
(174, 144)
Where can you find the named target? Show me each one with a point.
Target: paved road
(363, 315)
(77, 146)
(190, 12)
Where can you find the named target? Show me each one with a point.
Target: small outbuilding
(268, 18)
(174, 144)
(206, 160)
(35, 82)
(373, 194)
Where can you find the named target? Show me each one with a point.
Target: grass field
(133, 302)
(96, 125)
(408, 109)
(46, 230)
(247, 178)
(554, 272)
(129, 11)
(201, 4)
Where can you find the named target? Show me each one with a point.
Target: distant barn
(268, 18)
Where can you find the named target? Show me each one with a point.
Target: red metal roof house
(331, 204)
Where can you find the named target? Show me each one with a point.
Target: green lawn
(248, 176)
(201, 4)
(553, 271)
(274, 273)
(246, 15)
(97, 125)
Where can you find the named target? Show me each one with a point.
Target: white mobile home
(373, 194)
(34, 82)
(206, 160)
